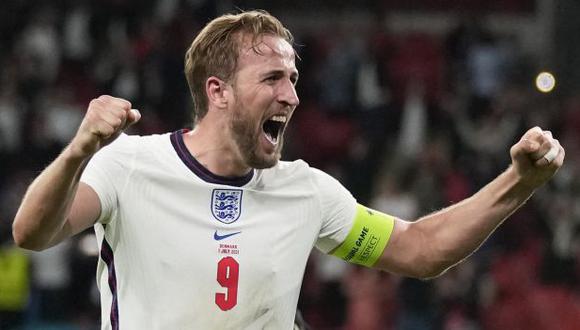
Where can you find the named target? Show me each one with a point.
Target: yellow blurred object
(14, 279)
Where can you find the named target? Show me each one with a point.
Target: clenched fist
(106, 118)
(537, 156)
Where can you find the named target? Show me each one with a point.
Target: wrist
(74, 155)
(520, 182)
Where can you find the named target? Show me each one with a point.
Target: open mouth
(273, 128)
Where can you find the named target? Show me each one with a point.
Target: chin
(264, 162)
(264, 166)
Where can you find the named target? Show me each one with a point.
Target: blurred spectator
(372, 300)
(338, 74)
(11, 118)
(51, 279)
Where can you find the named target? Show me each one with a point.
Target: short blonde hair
(215, 50)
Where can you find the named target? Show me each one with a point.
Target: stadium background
(412, 105)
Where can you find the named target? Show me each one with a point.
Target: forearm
(55, 206)
(427, 247)
(44, 208)
(455, 232)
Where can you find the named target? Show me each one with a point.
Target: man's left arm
(427, 247)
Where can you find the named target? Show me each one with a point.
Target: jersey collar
(199, 170)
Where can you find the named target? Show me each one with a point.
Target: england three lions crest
(226, 204)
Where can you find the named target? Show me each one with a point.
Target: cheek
(253, 100)
(259, 94)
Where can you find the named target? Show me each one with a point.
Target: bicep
(83, 213)
(405, 252)
(384, 242)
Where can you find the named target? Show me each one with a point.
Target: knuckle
(117, 123)
(95, 103)
(92, 115)
(526, 143)
(514, 149)
(536, 132)
(125, 103)
(106, 130)
(119, 112)
(532, 134)
(119, 116)
(544, 140)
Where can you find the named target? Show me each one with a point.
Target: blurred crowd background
(412, 105)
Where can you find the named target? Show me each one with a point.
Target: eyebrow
(293, 74)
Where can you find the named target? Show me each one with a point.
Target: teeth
(280, 119)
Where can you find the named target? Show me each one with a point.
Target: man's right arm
(56, 205)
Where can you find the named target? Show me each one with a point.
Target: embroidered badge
(226, 204)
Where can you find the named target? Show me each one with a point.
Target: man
(207, 229)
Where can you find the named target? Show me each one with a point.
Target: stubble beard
(246, 135)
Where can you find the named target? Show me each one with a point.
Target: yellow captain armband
(368, 237)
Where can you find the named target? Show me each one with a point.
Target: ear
(216, 90)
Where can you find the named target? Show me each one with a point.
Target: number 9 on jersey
(227, 276)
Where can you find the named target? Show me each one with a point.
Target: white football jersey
(182, 248)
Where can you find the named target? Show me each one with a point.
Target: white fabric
(551, 154)
(159, 222)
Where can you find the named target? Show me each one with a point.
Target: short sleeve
(107, 172)
(338, 209)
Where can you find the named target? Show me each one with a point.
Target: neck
(215, 151)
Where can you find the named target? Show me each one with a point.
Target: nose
(287, 93)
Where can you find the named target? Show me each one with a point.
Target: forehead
(268, 52)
